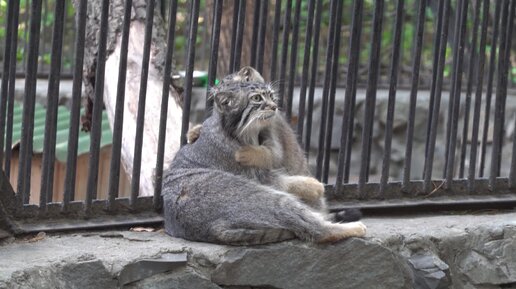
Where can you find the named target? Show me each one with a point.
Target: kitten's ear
(247, 73)
(224, 100)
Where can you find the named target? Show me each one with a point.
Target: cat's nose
(272, 106)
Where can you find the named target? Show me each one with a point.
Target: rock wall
(454, 251)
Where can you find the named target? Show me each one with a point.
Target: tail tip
(348, 215)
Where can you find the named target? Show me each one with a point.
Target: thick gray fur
(209, 196)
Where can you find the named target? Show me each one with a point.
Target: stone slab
(445, 251)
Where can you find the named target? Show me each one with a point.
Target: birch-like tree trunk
(134, 67)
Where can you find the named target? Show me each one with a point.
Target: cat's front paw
(252, 156)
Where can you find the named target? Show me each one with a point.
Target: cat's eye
(256, 97)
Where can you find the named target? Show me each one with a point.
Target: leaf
(142, 229)
(40, 236)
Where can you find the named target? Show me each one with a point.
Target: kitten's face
(245, 107)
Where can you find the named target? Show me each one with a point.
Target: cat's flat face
(245, 107)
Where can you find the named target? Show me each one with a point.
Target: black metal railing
(362, 138)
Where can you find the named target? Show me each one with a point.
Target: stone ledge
(452, 251)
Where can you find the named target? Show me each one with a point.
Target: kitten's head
(245, 74)
(245, 107)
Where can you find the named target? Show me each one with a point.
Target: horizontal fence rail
(392, 100)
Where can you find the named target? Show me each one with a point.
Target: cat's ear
(247, 73)
(224, 100)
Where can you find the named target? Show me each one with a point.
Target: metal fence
(468, 121)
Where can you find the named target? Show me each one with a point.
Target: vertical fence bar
(472, 67)
(5, 76)
(236, 9)
(189, 69)
(163, 10)
(95, 133)
(500, 99)
(114, 171)
(212, 69)
(452, 145)
(374, 63)
(11, 84)
(237, 54)
(165, 94)
(451, 102)
(264, 10)
(489, 90)
(306, 66)
(416, 64)
(505, 82)
(395, 62)
(275, 39)
(452, 97)
(49, 146)
(73, 133)
(349, 137)
(293, 61)
(437, 45)
(313, 76)
(478, 97)
(284, 55)
(256, 27)
(24, 173)
(438, 80)
(351, 82)
(140, 119)
(332, 91)
(326, 88)
(512, 172)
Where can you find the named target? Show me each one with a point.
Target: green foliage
(204, 30)
(47, 22)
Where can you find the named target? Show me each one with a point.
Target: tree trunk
(134, 67)
(7, 207)
(226, 30)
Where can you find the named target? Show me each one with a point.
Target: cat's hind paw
(356, 229)
(306, 188)
(340, 231)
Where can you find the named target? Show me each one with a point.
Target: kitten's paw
(246, 156)
(252, 156)
(307, 188)
(313, 185)
(340, 231)
(193, 134)
(356, 229)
